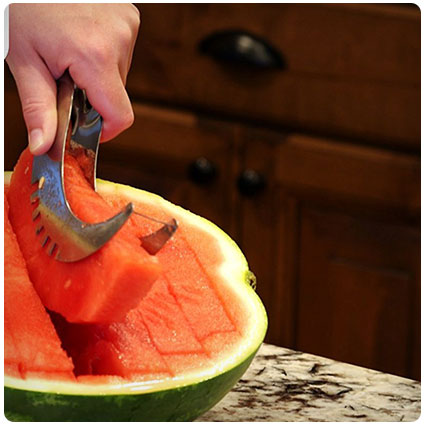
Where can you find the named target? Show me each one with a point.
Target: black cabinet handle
(243, 48)
(250, 183)
(202, 171)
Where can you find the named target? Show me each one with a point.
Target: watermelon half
(173, 356)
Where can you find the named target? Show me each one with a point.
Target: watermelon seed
(39, 230)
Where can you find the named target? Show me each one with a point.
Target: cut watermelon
(32, 347)
(100, 288)
(177, 353)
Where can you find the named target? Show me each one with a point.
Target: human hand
(94, 42)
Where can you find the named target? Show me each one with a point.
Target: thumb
(37, 91)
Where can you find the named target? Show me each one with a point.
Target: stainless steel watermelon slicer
(64, 236)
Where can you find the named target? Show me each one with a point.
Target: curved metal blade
(64, 235)
(73, 238)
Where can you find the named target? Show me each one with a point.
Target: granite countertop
(289, 386)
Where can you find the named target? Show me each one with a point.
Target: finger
(124, 62)
(107, 94)
(130, 58)
(134, 24)
(37, 91)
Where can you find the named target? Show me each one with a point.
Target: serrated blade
(63, 234)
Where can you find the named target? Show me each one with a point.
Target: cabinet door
(264, 230)
(180, 156)
(334, 240)
(358, 290)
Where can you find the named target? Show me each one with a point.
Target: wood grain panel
(257, 221)
(352, 70)
(361, 174)
(358, 291)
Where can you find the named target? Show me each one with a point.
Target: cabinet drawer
(169, 135)
(359, 174)
(349, 70)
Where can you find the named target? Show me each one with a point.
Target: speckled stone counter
(289, 386)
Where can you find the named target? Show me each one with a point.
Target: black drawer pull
(250, 183)
(202, 171)
(242, 48)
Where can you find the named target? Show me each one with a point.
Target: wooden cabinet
(358, 290)
(346, 68)
(313, 168)
(334, 240)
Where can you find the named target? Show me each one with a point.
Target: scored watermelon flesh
(160, 336)
(185, 322)
(100, 288)
(31, 345)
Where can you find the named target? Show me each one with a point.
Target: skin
(95, 42)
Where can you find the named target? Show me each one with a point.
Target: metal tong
(64, 235)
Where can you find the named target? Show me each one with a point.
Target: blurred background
(295, 128)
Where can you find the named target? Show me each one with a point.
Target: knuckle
(126, 36)
(32, 106)
(103, 56)
(135, 17)
(99, 53)
(96, 48)
(137, 21)
(132, 23)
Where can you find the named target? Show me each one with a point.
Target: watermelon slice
(32, 347)
(176, 354)
(101, 288)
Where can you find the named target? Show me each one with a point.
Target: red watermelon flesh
(182, 324)
(26, 320)
(185, 321)
(101, 288)
(155, 339)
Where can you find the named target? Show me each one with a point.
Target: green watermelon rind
(181, 399)
(178, 404)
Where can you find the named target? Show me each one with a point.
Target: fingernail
(36, 140)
